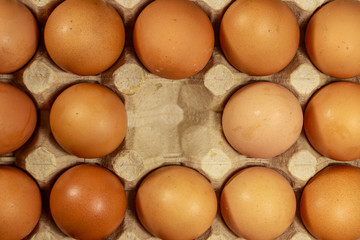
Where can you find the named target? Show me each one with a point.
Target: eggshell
(88, 120)
(258, 203)
(176, 203)
(84, 37)
(262, 120)
(173, 38)
(332, 38)
(20, 203)
(330, 203)
(18, 118)
(170, 122)
(19, 35)
(88, 202)
(259, 37)
(331, 121)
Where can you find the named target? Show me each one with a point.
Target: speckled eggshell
(331, 121)
(332, 38)
(84, 37)
(262, 120)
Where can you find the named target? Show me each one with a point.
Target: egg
(259, 37)
(176, 203)
(331, 121)
(20, 203)
(18, 118)
(88, 120)
(19, 35)
(330, 203)
(262, 120)
(173, 38)
(88, 202)
(258, 203)
(332, 38)
(84, 37)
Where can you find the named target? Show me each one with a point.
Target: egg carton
(170, 122)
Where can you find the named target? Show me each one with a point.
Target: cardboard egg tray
(169, 122)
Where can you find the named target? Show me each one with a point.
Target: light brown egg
(259, 37)
(332, 38)
(18, 118)
(330, 204)
(84, 37)
(258, 203)
(20, 203)
(262, 120)
(19, 35)
(331, 121)
(173, 38)
(88, 202)
(88, 120)
(176, 203)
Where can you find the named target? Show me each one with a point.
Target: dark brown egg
(88, 202)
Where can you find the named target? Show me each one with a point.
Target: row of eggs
(176, 203)
(260, 120)
(175, 39)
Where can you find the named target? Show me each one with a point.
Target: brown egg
(331, 121)
(330, 204)
(332, 38)
(259, 37)
(258, 203)
(84, 37)
(88, 120)
(173, 38)
(176, 203)
(19, 35)
(262, 120)
(88, 202)
(20, 203)
(17, 118)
